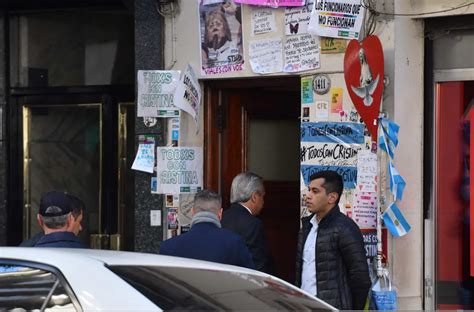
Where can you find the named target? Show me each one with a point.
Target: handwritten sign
(272, 3)
(365, 210)
(145, 158)
(328, 154)
(333, 132)
(179, 169)
(297, 18)
(263, 21)
(348, 174)
(367, 171)
(266, 56)
(337, 18)
(155, 93)
(188, 94)
(301, 53)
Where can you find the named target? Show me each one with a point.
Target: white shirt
(250, 211)
(308, 275)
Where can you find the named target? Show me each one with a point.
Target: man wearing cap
(60, 216)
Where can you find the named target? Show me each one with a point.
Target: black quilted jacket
(341, 267)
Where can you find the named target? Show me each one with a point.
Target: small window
(25, 288)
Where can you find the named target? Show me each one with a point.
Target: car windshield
(199, 289)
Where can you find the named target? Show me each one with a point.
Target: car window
(25, 288)
(199, 289)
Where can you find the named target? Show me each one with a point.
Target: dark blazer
(342, 273)
(31, 242)
(240, 221)
(206, 241)
(60, 239)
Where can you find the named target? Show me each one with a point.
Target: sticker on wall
(306, 113)
(266, 56)
(172, 219)
(154, 185)
(301, 53)
(321, 84)
(306, 91)
(221, 47)
(262, 20)
(172, 200)
(186, 202)
(188, 94)
(322, 110)
(332, 45)
(336, 100)
(297, 18)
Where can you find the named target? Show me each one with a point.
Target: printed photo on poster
(221, 38)
(172, 219)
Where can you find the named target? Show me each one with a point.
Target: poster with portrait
(220, 37)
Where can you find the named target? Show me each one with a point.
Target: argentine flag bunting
(397, 184)
(395, 222)
(388, 136)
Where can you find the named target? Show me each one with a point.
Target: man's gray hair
(55, 222)
(207, 200)
(243, 185)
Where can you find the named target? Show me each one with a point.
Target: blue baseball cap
(55, 204)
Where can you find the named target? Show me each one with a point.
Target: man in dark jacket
(60, 216)
(246, 196)
(331, 261)
(206, 240)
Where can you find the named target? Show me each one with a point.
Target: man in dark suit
(247, 198)
(206, 240)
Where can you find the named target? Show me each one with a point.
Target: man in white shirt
(331, 262)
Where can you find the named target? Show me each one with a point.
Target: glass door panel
(62, 151)
(454, 283)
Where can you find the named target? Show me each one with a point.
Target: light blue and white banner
(397, 184)
(395, 221)
(349, 174)
(332, 132)
(388, 136)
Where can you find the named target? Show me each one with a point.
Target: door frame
(430, 228)
(107, 95)
(214, 97)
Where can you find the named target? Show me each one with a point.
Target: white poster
(145, 158)
(365, 210)
(156, 92)
(263, 20)
(366, 171)
(297, 18)
(179, 170)
(337, 19)
(188, 94)
(301, 53)
(266, 56)
(322, 110)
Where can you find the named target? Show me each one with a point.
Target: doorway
(453, 268)
(253, 125)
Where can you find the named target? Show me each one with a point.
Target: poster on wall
(188, 94)
(273, 3)
(155, 92)
(301, 53)
(266, 56)
(221, 38)
(337, 19)
(262, 20)
(179, 170)
(331, 146)
(297, 18)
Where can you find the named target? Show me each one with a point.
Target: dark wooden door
(253, 125)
